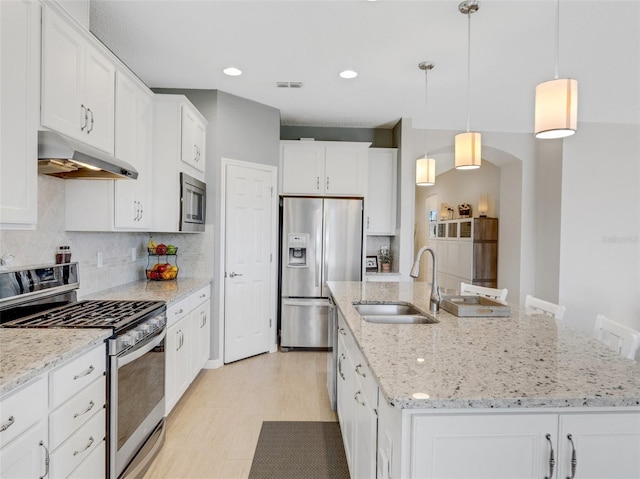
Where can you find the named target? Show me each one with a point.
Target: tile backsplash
(38, 247)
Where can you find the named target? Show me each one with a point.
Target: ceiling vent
(289, 84)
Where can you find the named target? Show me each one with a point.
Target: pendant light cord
(557, 37)
(468, 68)
(426, 110)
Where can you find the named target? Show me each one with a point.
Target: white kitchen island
(480, 397)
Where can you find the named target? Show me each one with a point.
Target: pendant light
(556, 101)
(468, 145)
(425, 166)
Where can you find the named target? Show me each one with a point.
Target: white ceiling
(186, 44)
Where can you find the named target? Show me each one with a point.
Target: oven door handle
(141, 349)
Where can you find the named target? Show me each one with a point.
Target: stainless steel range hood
(66, 158)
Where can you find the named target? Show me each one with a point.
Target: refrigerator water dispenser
(297, 245)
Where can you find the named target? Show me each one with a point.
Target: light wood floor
(213, 430)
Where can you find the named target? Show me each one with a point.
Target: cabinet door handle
(89, 408)
(7, 424)
(318, 183)
(75, 453)
(83, 109)
(90, 129)
(204, 320)
(355, 396)
(327, 187)
(367, 222)
(233, 275)
(552, 461)
(574, 461)
(84, 373)
(46, 460)
(359, 372)
(340, 366)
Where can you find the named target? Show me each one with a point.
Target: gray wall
(378, 137)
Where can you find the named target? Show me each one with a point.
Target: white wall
(600, 225)
(548, 214)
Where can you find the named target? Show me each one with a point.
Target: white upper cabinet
(19, 90)
(134, 128)
(193, 137)
(323, 168)
(78, 84)
(381, 197)
(170, 112)
(119, 205)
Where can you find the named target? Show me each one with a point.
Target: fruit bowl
(162, 250)
(166, 274)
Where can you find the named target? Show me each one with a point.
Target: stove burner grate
(114, 314)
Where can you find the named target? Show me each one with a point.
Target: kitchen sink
(392, 313)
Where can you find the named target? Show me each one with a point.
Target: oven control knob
(128, 339)
(137, 335)
(146, 328)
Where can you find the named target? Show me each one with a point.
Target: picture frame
(372, 264)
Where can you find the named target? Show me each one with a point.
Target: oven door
(136, 403)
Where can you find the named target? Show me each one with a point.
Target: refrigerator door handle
(305, 302)
(319, 251)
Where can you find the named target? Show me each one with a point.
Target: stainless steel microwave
(193, 198)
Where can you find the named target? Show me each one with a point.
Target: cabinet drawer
(76, 375)
(78, 447)
(365, 381)
(93, 467)
(22, 409)
(177, 311)
(200, 296)
(76, 412)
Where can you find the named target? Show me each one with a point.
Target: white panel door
(249, 291)
(508, 446)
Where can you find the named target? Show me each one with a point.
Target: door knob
(233, 275)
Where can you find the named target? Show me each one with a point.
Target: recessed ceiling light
(232, 71)
(348, 74)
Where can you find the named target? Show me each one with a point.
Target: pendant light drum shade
(425, 172)
(556, 108)
(468, 151)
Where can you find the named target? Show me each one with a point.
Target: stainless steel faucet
(434, 299)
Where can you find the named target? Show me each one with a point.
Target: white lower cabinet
(356, 406)
(605, 445)
(518, 444)
(26, 456)
(55, 426)
(187, 345)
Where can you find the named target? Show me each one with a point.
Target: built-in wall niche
(375, 244)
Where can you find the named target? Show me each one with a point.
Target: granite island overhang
(519, 361)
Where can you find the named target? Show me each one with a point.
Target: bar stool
(539, 306)
(618, 337)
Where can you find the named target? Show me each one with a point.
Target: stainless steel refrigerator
(321, 240)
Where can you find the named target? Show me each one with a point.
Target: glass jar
(63, 255)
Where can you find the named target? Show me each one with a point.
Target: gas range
(45, 297)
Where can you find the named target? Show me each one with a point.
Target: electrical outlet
(99, 259)
(133, 254)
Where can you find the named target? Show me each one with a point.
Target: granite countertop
(167, 291)
(27, 353)
(511, 362)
